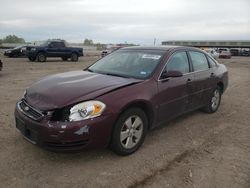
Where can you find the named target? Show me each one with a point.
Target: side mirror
(172, 73)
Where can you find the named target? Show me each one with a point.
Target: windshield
(125, 63)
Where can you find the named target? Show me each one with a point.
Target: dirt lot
(195, 150)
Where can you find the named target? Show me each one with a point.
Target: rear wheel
(41, 57)
(74, 57)
(214, 101)
(129, 131)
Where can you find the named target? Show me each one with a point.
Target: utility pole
(154, 41)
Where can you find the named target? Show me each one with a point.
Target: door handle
(189, 80)
(212, 75)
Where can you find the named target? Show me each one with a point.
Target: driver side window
(178, 62)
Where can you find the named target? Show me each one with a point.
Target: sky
(131, 21)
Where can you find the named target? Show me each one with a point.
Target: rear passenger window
(179, 62)
(211, 62)
(57, 44)
(60, 44)
(199, 61)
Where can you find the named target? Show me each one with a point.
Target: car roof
(161, 48)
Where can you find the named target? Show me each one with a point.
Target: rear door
(173, 95)
(62, 50)
(203, 78)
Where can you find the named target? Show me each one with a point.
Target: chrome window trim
(192, 72)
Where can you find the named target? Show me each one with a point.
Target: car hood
(65, 89)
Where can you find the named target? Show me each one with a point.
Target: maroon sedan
(119, 98)
(225, 54)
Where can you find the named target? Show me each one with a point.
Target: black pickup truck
(53, 48)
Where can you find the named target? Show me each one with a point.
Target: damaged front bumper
(65, 136)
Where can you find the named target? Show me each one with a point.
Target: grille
(30, 111)
(60, 145)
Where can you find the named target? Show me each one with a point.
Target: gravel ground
(194, 150)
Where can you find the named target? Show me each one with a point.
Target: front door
(174, 92)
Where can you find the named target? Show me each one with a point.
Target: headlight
(33, 49)
(86, 110)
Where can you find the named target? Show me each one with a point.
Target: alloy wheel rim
(131, 132)
(42, 58)
(215, 99)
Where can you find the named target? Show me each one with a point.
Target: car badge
(26, 108)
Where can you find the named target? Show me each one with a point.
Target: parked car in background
(213, 53)
(223, 49)
(119, 98)
(110, 50)
(245, 53)
(53, 48)
(1, 65)
(19, 51)
(235, 52)
(225, 54)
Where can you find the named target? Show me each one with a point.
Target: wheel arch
(75, 52)
(144, 106)
(221, 86)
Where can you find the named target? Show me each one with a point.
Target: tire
(64, 58)
(74, 57)
(214, 101)
(32, 58)
(129, 131)
(41, 57)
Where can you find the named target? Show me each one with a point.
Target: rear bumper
(224, 56)
(65, 136)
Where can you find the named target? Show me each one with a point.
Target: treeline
(12, 39)
(89, 42)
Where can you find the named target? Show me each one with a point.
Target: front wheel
(214, 101)
(129, 131)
